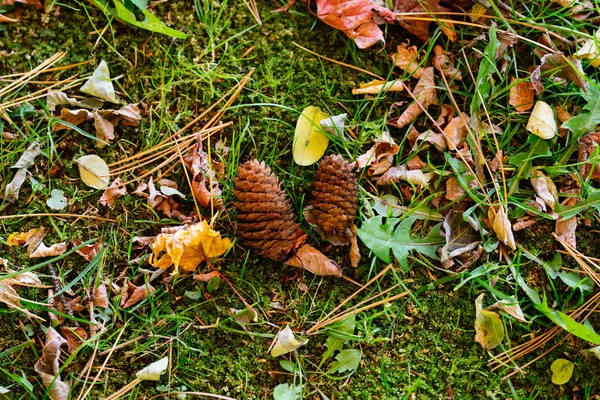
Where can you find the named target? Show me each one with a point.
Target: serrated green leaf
(333, 344)
(586, 121)
(346, 360)
(592, 200)
(286, 391)
(395, 235)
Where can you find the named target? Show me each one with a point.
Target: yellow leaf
(562, 371)
(489, 330)
(187, 248)
(542, 121)
(93, 171)
(310, 143)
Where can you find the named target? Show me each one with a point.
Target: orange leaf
(521, 95)
(313, 260)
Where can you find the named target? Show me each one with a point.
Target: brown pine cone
(335, 201)
(265, 219)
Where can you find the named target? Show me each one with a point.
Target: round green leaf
(562, 371)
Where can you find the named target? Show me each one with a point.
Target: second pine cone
(334, 201)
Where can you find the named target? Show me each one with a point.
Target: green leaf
(592, 200)
(562, 371)
(486, 68)
(150, 23)
(288, 366)
(396, 236)
(333, 344)
(538, 147)
(346, 360)
(287, 392)
(489, 330)
(586, 122)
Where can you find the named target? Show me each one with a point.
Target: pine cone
(334, 204)
(265, 219)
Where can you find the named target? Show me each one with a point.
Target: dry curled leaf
(312, 260)
(132, 294)
(204, 179)
(378, 86)
(457, 130)
(511, 307)
(48, 366)
(588, 144)
(187, 248)
(445, 64)
(420, 26)
(355, 18)
(206, 277)
(380, 157)
(11, 191)
(286, 342)
(406, 58)
(88, 252)
(55, 99)
(396, 174)
(565, 228)
(425, 94)
(544, 188)
(113, 192)
(591, 50)
(74, 337)
(44, 251)
(100, 296)
(501, 226)
(453, 189)
(462, 240)
(521, 95)
(559, 65)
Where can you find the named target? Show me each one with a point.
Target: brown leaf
(354, 251)
(132, 294)
(206, 277)
(406, 59)
(89, 251)
(559, 65)
(379, 86)
(462, 240)
(521, 95)
(396, 174)
(378, 155)
(502, 226)
(47, 366)
(355, 19)
(523, 224)
(311, 259)
(420, 28)
(445, 64)
(436, 139)
(74, 337)
(457, 130)
(425, 94)
(205, 185)
(587, 146)
(113, 192)
(453, 190)
(565, 228)
(100, 296)
(544, 188)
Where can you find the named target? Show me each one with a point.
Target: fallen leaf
(453, 189)
(286, 342)
(406, 58)
(420, 27)
(436, 139)
(521, 95)
(48, 366)
(377, 86)
(335, 125)
(44, 251)
(132, 294)
(89, 251)
(57, 200)
(99, 85)
(187, 248)
(456, 131)
(415, 177)
(153, 371)
(501, 225)
(355, 19)
(591, 50)
(542, 122)
(312, 260)
(93, 171)
(562, 371)
(544, 188)
(445, 64)
(565, 228)
(588, 144)
(310, 143)
(511, 307)
(489, 330)
(561, 66)
(55, 99)
(206, 277)
(20, 238)
(100, 296)
(380, 156)
(74, 337)
(425, 94)
(113, 192)
(11, 192)
(461, 239)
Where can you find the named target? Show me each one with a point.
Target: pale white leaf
(57, 201)
(93, 171)
(153, 371)
(99, 85)
(286, 342)
(542, 121)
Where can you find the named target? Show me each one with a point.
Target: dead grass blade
(253, 8)
(7, 19)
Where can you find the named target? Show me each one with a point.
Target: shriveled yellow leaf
(310, 143)
(93, 171)
(542, 121)
(502, 226)
(286, 342)
(187, 248)
(375, 87)
(20, 238)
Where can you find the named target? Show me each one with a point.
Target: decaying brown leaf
(74, 337)
(591, 50)
(406, 58)
(132, 294)
(425, 95)
(561, 66)
(100, 296)
(511, 307)
(355, 18)
(566, 228)
(9, 295)
(206, 277)
(89, 251)
(445, 64)
(47, 366)
(453, 190)
(420, 28)
(55, 99)
(501, 226)
(521, 95)
(205, 185)
(312, 260)
(463, 242)
(11, 191)
(187, 248)
(588, 144)
(457, 130)
(35, 247)
(544, 188)
(436, 139)
(380, 157)
(44, 251)
(113, 192)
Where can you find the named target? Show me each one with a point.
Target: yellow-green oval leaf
(542, 122)
(93, 171)
(562, 371)
(310, 143)
(489, 330)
